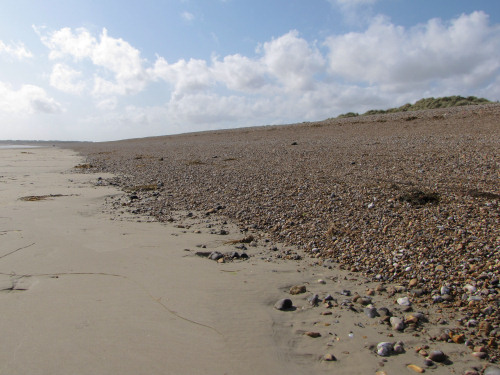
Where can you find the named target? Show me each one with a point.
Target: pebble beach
(406, 201)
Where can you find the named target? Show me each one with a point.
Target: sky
(100, 70)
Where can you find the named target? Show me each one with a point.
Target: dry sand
(86, 289)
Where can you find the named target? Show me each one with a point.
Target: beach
(172, 254)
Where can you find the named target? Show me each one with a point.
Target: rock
(437, 298)
(416, 368)
(492, 370)
(397, 323)
(458, 339)
(399, 348)
(445, 290)
(415, 317)
(321, 281)
(233, 255)
(404, 301)
(313, 300)
(346, 292)
(429, 363)
(283, 304)
(215, 255)
(480, 355)
(371, 312)
(364, 301)
(437, 356)
(485, 328)
(384, 349)
(329, 357)
(471, 372)
(413, 283)
(298, 289)
(439, 268)
(312, 334)
(221, 260)
(384, 311)
(470, 288)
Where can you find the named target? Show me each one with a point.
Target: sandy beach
(109, 270)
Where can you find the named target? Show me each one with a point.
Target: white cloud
(66, 79)
(187, 16)
(391, 56)
(186, 76)
(240, 73)
(29, 99)
(18, 51)
(293, 61)
(118, 58)
(288, 79)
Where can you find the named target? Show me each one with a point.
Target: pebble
(298, 289)
(384, 311)
(313, 300)
(371, 312)
(313, 334)
(399, 348)
(397, 323)
(404, 301)
(445, 290)
(384, 349)
(480, 355)
(416, 368)
(216, 255)
(283, 304)
(492, 370)
(470, 288)
(329, 357)
(437, 356)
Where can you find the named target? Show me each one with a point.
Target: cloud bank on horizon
(91, 84)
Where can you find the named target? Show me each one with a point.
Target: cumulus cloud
(387, 55)
(18, 51)
(120, 60)
(29, 99)
(293, 61)
(66, 79)
(287, 79)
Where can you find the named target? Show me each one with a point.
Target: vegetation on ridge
(426, 103)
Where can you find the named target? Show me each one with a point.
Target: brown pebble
(298, 289)
(221, 260)
(416, 368)
(413, 283)
(326, 313)
(329, 357)
(458, 339)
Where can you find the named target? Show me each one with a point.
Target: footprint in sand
(16, 283)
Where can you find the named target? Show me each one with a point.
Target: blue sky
(108, 70)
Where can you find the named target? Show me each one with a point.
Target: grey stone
(437, 356)
(384, 349)
(283, 304)
(397, 323)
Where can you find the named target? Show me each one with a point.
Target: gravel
(397, 197)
